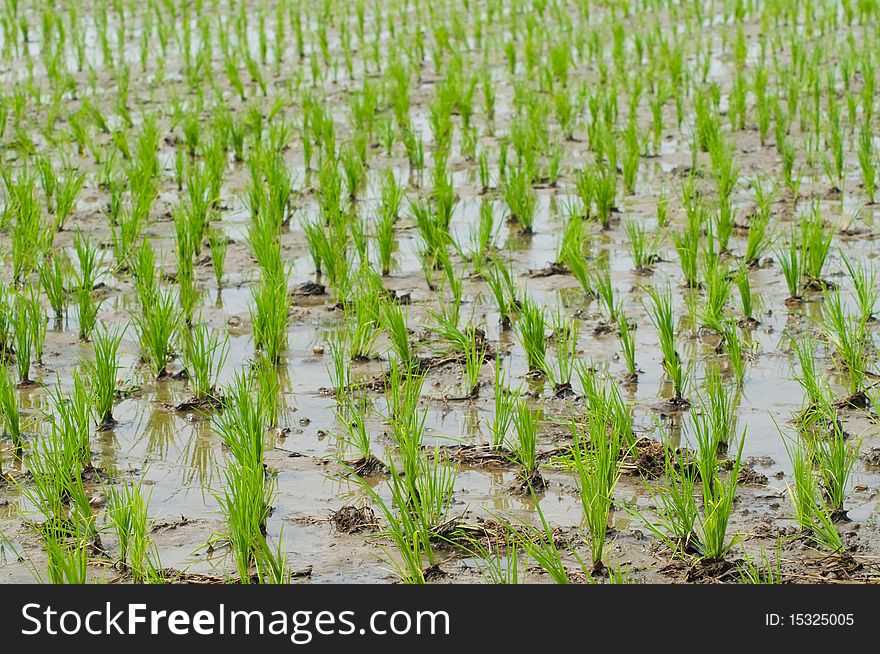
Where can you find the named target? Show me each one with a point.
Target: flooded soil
(324, 518)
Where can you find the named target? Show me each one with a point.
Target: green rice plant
(790, 260)
(597, 467)
(815, 245)
(203, 351)
(733, 347)
(846, 334)
(604, 290)
(340, 371)
(572, 256)
(499, 278)
(67, 556)
(867, 161)
(403, 529)
(565, 333)
(362, 319)
(240, 424)
(810, 510)
(67, 190)
(246, 504)
(531, 324)
(351, 415)
(718, 286)
(520, 198)
(661, 316)
(393, 321)
(505, 403)
(718, 496)
(762, 570)
(743, 284)
(834, 459)
(757, 241)
(483, 235)
(687, 244)
(156, 325)
(268, 381)
(218, 244)
(89, 257)
(498, 564)
(269, 316)
(525, 448)
(815, 385)
(642, 247)
(54, 272)
(103, 371)
(127, 513)
(23, 337)
(71, 418)
(474, 357)
(674, 504)
(605, 192)
(864, 281)
(9, 408)
(384, 233)
(627, 342)
(38, 320)
(540, 546)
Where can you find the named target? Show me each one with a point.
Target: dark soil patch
(353, 520)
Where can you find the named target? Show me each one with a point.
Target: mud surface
(326, 521)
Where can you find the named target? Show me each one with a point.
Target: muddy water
(182, 460)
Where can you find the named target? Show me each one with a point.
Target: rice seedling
(605, 193)
(733, 347)
(759, 222)
(520, 198)
(499, 279)
(762, 570)
(71, 418)
(864, 281)
(269, 316)
(565, 333)
(38, 320)
(127, 513)
(203, 351)
(540, 546)
(627, 343)
(23, 336)
(340, 368)
(743, 284)
(810, 510)
(218, 244)
(54, 272)
(790, 261)
(815, 245)
(531, 324)
(103, 371)
(156, 325)
(674, 505)
(846, 334)
(687, 247)
(718, 287)
(89, 258)
(393, 321)
(834, 459)
(525, 448)
(9, 408)
(718, 496)
(474, 356)
(597, 467)
(643, 248)
(661, 316)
